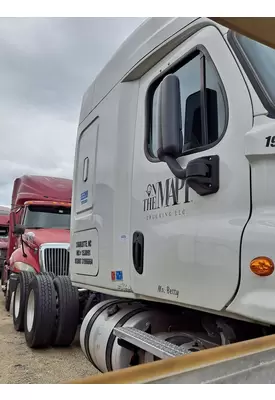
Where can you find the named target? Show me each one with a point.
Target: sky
(46, 66)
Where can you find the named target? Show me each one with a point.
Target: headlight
(23, 266)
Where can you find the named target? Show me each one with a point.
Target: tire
(51, 274)
(19, 300)
(8, 297)
(40, 312)
(12, 301)
(67, 311)
(2, 276)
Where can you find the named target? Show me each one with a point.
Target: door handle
(138, 251)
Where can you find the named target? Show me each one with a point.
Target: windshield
(4, 232)
(261, 61)
(47, 217)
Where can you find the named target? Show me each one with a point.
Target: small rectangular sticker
(117, 275)
(84, 197)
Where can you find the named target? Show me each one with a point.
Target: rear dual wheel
(23, 280)
(52, 312)
(39, 316)
(67, 311)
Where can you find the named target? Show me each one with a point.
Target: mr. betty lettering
(168, 290)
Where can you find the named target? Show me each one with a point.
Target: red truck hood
(50, 236)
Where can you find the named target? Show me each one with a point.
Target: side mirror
(169, 128)
(201, 174)
(169, 118)
(19, 230)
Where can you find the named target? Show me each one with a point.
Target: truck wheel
(2, 277)
(8, 297)
(12, 301)
(51, 274)
(19, 301)
(40, 312)
(67, 311)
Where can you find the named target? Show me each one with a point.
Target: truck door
(186, 246)
(84, 241)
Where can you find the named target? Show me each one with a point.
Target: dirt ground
(20, 364)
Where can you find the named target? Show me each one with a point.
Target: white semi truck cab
(173, 207)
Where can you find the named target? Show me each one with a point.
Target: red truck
(4, 232)
(39, 229)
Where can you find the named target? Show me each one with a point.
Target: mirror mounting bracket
(174, 166)
(201, 174)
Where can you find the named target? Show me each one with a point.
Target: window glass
(262, 59)
(213, 82)
(39, 217)
(197, 77)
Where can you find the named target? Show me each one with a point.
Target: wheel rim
(17, 301)
(30, 311)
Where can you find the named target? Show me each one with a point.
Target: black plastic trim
(202, 175)
(203, 101)
(187, 57)
(248, 68)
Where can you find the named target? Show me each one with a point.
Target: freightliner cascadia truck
(173, 207)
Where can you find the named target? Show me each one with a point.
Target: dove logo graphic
(149, 190)
(163, 194)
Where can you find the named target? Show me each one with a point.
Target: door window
(203, 105)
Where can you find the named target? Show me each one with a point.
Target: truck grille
(55, 259)
(3, 256)
(3, 253)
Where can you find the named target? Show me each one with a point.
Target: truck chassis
(116, 333)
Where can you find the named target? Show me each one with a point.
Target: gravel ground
(19, 364)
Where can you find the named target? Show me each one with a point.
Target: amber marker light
(262, 266)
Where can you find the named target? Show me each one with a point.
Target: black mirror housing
(170, 140)
(19, 230)
(169, 124)
(202, 174)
